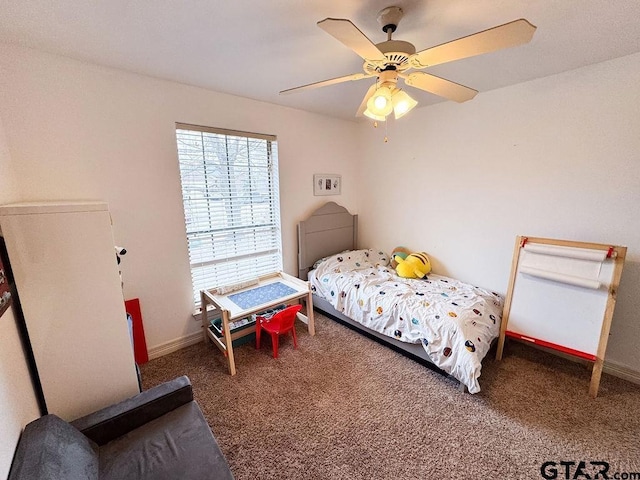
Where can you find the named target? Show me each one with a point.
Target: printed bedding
(455, 322)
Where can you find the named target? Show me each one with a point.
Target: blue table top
(261, 295)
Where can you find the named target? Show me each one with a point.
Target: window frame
(272, 256)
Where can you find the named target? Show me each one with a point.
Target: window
(231, 205)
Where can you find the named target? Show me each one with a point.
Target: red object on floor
(139, 342)
(281, 323)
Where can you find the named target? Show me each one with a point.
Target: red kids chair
(281, 323)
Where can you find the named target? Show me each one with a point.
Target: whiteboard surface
(560, 313)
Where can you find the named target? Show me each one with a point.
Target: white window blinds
(231, 205)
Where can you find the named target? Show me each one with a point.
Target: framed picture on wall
(327, 184)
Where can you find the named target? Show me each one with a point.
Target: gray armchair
(158, 434)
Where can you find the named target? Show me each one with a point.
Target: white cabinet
(66, 275)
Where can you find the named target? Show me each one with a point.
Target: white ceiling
(255, 49)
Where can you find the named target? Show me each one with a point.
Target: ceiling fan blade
(325, 83)
(496, 38)
(363, 105)
(351, 36)
(439, 86)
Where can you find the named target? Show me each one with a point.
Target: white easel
(561, 295)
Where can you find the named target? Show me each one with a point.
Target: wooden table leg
(500, 348)
(203, 316)
(228, 342)
(312, 324)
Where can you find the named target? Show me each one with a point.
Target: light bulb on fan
(380, 103)
(402, 103)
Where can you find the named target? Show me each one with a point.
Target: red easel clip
(523, 242)
(610, 252)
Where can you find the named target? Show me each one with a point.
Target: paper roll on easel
(560, 277)
(569, 252)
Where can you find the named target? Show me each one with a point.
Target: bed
(443, 323)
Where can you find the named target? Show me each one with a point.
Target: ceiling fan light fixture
(380, 103)
(373, 116)
(402, 103)
(390, 60)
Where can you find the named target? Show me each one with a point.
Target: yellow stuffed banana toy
(416, 265)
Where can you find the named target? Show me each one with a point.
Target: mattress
(455, 322)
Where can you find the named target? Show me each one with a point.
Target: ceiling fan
(390, 60)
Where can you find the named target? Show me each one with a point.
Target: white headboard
(330, 229)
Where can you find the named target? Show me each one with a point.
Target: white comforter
(455, 322)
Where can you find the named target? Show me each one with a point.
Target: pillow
(352, 260)
(324, 259)
(377, 257)
(318, 262)
(349, 260)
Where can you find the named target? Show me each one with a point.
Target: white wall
(556, 157)
(80, 131)
(18, 404)
(8, 187)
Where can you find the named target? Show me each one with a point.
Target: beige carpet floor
(345, 407)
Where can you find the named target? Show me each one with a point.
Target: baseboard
(175, 345)
(613, 369)
(193, 338)
(621, 372)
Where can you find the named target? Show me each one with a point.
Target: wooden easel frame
(617, 252)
